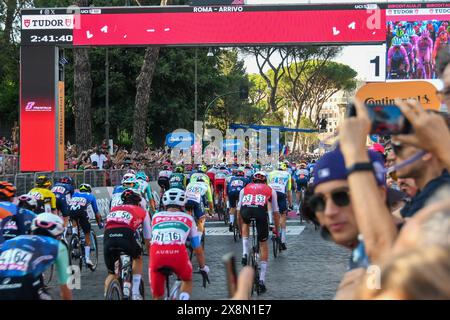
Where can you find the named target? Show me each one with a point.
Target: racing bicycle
(173, 292)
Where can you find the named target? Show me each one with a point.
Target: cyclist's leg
(135, 251)
(83, 221)
(109, 257)
(244, 221)
(263, 234)
(282, 204)
(156, 279)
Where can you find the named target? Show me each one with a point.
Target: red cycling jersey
(258, 195)
(127, 216)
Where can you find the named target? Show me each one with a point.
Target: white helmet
(48, 222)
(128, 176)
(174, 197)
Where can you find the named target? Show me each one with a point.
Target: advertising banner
(182, 140)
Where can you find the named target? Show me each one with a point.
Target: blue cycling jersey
(236, 184)
(27, 254)
(62, 190)
(16, 225)
(82, 201)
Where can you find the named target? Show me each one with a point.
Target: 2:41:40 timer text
(51, 38)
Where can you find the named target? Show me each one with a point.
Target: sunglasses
(341, 198)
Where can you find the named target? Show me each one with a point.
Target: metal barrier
(24, 182)
(9, 164)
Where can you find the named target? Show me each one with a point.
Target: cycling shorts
(173, 256)
(61, 205)
(233, 198)
(20, 288)
(163, 182)
(117, 241)
(262, 220)
(82, 218)
(302, 184)
(282, 202)
(219, 184)
(198, 209)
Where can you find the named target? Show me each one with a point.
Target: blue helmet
(410, 32)
(397, 41)
(67, 180)
(405, 39)
(141, 176)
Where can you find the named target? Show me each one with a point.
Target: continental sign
(385, 93)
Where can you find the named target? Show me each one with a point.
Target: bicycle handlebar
(204, 276)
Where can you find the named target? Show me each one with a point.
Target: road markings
(224, 231)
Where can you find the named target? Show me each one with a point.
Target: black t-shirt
(422, 196)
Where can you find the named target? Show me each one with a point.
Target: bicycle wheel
(254, 264)
(114, 291)
(94, 251)
(142, 289)
(75, 250)
(203, 240)
(235, 232)
(226, 216)
(275, 246)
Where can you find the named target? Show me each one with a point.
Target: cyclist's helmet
(174, 197)
(131, 171)
(179, 169)
(43, 182)
(141, 176)
(7, 190)
(130, 182)
(129, 196)
(166, 167)
(27, 202)
(47, 224)
(425, 33)
(400, 32)
(202, 168)
(84, 187)
(67, 180)
(240, 173)
(410, 32)
(405, 39)
(259, 177)
(268, 168)
(396, 41)
(282, 166)
(302, 165)
(128, 176)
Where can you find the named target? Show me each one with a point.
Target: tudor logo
(48, 21)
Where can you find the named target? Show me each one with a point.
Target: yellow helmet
(282, 166)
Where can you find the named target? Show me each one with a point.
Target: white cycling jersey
(173, 228)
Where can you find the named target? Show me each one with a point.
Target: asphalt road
(310, 268)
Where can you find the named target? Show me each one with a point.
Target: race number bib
(116, 200)
(15, 259)
(77, 203)
(166, 237)
(277, 187)
(194, 194)
(237, 183)
(254, 200)
(59, 189)
(123, 217)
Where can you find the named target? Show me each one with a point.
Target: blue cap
(331, 166)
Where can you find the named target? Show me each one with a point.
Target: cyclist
(121, 224)
(280, 181)
(170, 230)
(201, 172)
(46, 199)
(248, 170)
(80, 205)
(25, 258)
(220, 183)
(146, 190)
(441, 41)
(63, 191)
(198, 195)
(163, 178)
(19, 223)
(398, 62)
(211, 173)
(178, 179)
(406, 43)
(253, 202)
(302, 176)
(129, 181)
(8, 209)
(237, 182)
(424, 55)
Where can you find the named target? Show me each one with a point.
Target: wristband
(361, 166)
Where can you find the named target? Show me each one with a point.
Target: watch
(361, 166)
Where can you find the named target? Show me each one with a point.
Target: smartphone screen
(386, 119)
(230, 269)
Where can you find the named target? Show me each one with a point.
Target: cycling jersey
(116, 198)
(165, 174)
(248, 172)
(177, 180)
(82, 206)
(7, 209)
(16, 225)
(302, 176)
(197, 196)
(63, 193)
(146, 190)
(22, 261)
(128, 216)
(170, 231)
(211, 173)
(397, 56)
(234, 187)
(280, 181)
(220, 179)
(46, 199)
(258, 195)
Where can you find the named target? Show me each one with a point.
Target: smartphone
(386, 119)
(229, 261)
